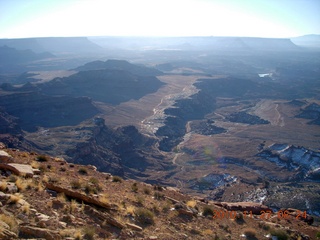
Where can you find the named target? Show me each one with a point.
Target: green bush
(281, 234)
(158, 195)
(207, 211)
(117, 179)
(144, 216)
(146, 191)
(134, 187)
(89, 233)
(75, 184)
(83, 171)
(42, 158)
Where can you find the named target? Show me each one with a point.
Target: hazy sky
(257, 18)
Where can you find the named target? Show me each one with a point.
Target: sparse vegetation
(83, 171)
(14, 199)
(207, 211)
(12, 223)
(158, 195)
(140, 200)
(12, 178)
(280, 234)
(42, 158)
(134, 187)
(250, 232)
(191, 203)
(75, 184)
(116, 179)
(130, 210)
(144, 216)
(89, 232)
(146, 191)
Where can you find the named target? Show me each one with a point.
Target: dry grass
(3, 186)
(191, 203)
(26, 208)
(104, 199)
(73, 205)
(14, 199)
(35, 164)
(23, 184)
(130, 210)
(62, 198)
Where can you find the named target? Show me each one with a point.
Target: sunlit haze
(256, 18)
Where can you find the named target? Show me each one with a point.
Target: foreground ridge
(49, 198)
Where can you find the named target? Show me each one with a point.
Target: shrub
(264, 226)
(144, 216)
(42, 158)
(158, 195)
(166, 207)
(280, 234)
(73, 205)
(207, 211)
(22, 184)
(94, 180)
(53, 179)
(83, 171)
(12, 178)
(130, 210)
(140, 200)
(134, 187)
(250, 232)
(90, 189)
(88, 233)
(146, 191)
(75, 184)
(318, 235)
(117, 179)
(14, 199)
(157, 187)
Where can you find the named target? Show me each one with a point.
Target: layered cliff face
(34, 109)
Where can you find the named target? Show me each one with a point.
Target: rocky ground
(45, 197)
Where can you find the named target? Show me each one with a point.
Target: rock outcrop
(34, 109)
(19, 169)
(78, 196)
(255, 208)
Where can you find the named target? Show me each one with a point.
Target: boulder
(6, 234)
(18, 169)
(35, 232)
(134, 227)
(102, 216)
(78, 196)
(4, 156)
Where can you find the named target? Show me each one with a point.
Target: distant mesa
(56, 45)
(11, 55)
(311, 41)
(197, 43)
(120, 65)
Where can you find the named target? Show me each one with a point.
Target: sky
(253, 18)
